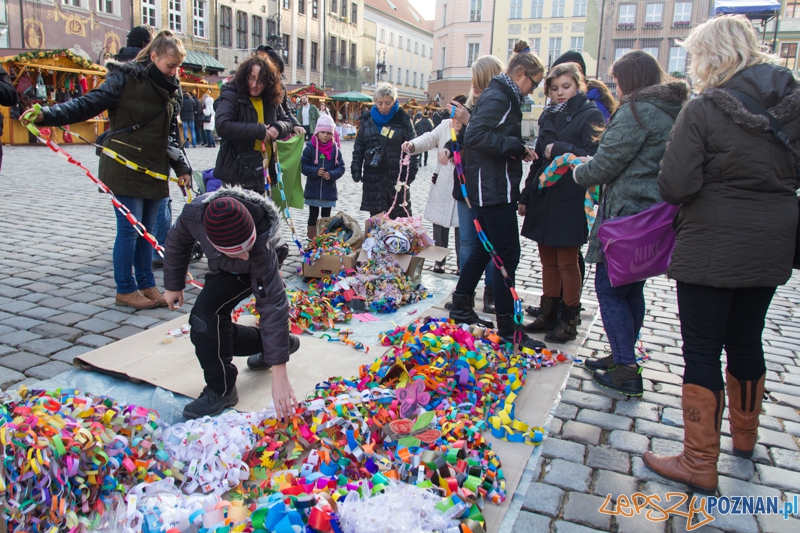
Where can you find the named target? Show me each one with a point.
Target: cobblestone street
(57, 301)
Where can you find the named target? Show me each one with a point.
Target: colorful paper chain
(557, 168)
(402, 185)
(518, 316)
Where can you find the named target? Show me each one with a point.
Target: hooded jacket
(187, 108)
(555, 215)
(261, 266)
(237, 125)
(312, 160)
(628, 157)
(131, 97)
(735, 183)
(493, 138)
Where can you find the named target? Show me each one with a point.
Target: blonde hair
(722, 47)
(524, 59)
(483, 70)
(385, 89)
(165, 43)
(566, 69)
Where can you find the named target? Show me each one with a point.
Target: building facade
(404, 46)
(93, 29)
(652, 26)
(300, 27)
(462, 33)
(788, 41)
(344, 24)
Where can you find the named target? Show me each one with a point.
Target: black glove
(356, 177)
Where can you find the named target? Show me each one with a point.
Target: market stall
(316, 96)
(348, 107)
(191, 82)
(48, 77)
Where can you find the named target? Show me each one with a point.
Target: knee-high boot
(744, 407)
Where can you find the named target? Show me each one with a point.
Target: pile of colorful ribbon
(327, 244)
(383, 230)
(68, 456)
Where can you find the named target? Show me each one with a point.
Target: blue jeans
(209, 138)
(163, 220)
(467, 239)
(190, 126)
(622, 310)
(132, 252)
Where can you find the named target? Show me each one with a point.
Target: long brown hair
(165, 43)
(572, 70)
(268, 75)
(525, 59)
(635, 71)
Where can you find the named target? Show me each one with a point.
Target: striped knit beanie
(229, 226)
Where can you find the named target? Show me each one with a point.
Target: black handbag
(250, 166)
(108, 133)
(782, 138)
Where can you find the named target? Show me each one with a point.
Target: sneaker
(210, 403)
(621, 378)
(135, 299)
(255, 362)
(599, 364)
(154, 294)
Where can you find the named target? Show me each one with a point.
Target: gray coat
(735, 183)
(627, 160)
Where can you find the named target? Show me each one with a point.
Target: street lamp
(274, 39)
(380, 67)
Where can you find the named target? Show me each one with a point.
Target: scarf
(326, 149)
(595, 96)
(554, 109)
(380, 119)
(508, 81)
(170, 85)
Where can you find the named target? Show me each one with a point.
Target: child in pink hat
(322, 165)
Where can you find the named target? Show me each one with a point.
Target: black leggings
(313, 214)
(715, 318)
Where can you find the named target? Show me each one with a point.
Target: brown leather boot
(312, 232)
(744, 407)
(154, 294)
(135, 299)
(697, 465)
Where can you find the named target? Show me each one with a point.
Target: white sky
(426, 8)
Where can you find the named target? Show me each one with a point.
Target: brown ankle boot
(697, 465)
(744, 407)
(312, 232)
(136, 299)
(154, 294)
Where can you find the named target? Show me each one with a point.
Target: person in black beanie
(138, 38)
(237, 230)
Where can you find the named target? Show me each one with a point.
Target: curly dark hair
(268, 74)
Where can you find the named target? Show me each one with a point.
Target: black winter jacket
(238, 128)
(494, 140)
(423, 126)
(261, 266)
(379, 183)
(187, 108)
(8, 95)
(131, 96)
(316, 187)
(555, 215)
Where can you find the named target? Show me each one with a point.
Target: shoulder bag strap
(774, 125)
(136, 127)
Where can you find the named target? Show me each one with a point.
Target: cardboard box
(327, 265)
(412, 264)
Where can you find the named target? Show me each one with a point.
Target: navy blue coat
(316, 187)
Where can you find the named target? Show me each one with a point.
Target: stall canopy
(753, 9)
(351, 96)
(200, 61)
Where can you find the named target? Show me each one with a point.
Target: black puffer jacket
(555, 215)
(8, 95)
(379, 183)
(187, 108)
(262, 265)
(494, 140)
(735, 183)
(131, 97)
(238, 128)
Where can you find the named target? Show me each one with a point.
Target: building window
(106, 6)
(383, 35)
(576, 43)
(789, 55)
(272, 28)
(415, 79)
(407, 72)
(683, 15)
(677, 60)
(343, 11)
(444, 15)
(443, 58)
(475, 9)
(354, 13)
(314, 8)
(408, 44)
(536, 45)
(399, 40)
(792, 10)
(287, 4)
(301, 7)
(652, 15)
(510, 51)
(301, 50)
(423, 50)
(225, 20)
(286, 56)
(579, 8)
(627, 16)
(73, 3)
(343, 54)
(258, 31)
(537, 9)
(558, 8)
(399, 76)
(241, 30)
(652, 50)
(416, 47)
(353, 56)
(334, 7)
(314, 55)
(332, 58)
(621, 51)
(199, 22)
(151, 11)
(473, 52)
(555, 47)
(516, 9)
(422, 81)
(175, 16)
(430, 52)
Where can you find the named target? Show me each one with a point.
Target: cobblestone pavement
(57, 301)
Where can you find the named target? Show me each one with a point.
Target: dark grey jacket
(736, 184)
(262, 266)
(627, 160)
